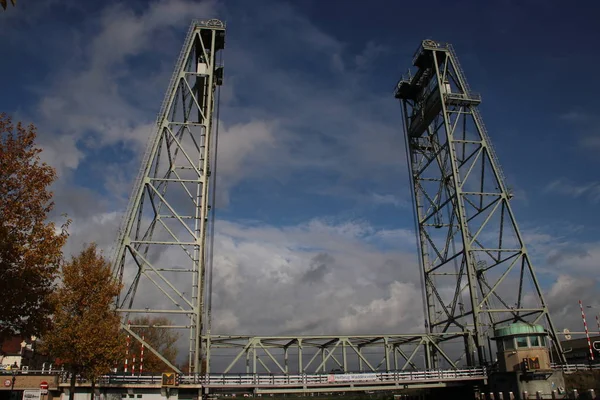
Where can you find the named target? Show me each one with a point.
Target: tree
(30, 248)
(3, 3)
(161, 339)
(86, 334)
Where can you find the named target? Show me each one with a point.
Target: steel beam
(323, 354)
(468, 236)
(161, 253)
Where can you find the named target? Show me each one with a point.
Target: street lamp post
(12, 386)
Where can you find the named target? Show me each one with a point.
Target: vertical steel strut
(160, 255)
(477, 272)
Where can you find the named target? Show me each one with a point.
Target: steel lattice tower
(475, 266)
(161, 256)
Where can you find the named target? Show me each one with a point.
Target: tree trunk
(72, 387)
(93, 388)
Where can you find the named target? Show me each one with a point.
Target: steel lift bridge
(475, 268)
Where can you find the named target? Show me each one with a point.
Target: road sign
(7, 382)
(43, 385)
(32, 394)
(169, 379)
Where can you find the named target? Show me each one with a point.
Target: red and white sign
(44, 385)
(7, 382)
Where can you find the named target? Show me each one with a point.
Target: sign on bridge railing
(332, 378)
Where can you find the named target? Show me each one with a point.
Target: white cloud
(244, 150)
(97, 93)
(60, 152)
(397, 236)
(575, 116)
(311, 277)
(370, 53)
(389, 199)
(399, 308)
(563, 301)
(587, 124)
(590, 190)
(227, 321)
(590, 142)
(562, 251)
(318, 276)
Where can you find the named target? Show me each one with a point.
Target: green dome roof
(519, 328)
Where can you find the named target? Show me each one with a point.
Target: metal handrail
(303, 379)
(479, 120)
(570, 368)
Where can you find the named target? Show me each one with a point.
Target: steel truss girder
(472, 253)
(320, 354)
(160, 254)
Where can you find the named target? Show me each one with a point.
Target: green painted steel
(169, 207)
(473, 260)
(476, 270)
(518, 328)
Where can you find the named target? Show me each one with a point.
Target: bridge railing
(570, 368)
(19, 372)
(302, 379)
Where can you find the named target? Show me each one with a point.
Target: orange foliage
(161, 339)
(30, 247)
(86, 333)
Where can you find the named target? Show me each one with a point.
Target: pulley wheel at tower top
(214, 23)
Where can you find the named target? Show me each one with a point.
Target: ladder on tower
(152, 140)
(478, 119)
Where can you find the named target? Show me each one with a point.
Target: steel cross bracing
(472, 253)
(476, 269)
(322, 354)
(161, 256)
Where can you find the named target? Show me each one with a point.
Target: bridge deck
(302, 383)
(262, 383)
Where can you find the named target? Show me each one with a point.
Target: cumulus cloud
(568, 188)
(319, 267)
(292, 105)
(244, 151)
(589, 190)
(313, 277)
(391, 199)
(398, 308)
(97, 99)
(563, 301)
(555, 251)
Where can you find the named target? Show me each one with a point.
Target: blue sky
(311, 139)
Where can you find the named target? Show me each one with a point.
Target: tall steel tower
(476, 270)
(161, 257)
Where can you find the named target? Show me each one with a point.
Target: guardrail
(32, 371)
(570, 368)
(225, 380)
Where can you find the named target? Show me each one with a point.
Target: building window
(509, 344)
(522, 341)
